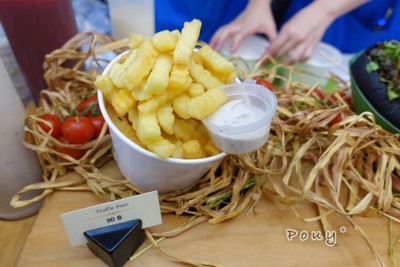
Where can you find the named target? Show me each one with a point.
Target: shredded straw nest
(345, 168)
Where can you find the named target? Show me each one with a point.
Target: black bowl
(370, 94)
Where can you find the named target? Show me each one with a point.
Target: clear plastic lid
(242, 124)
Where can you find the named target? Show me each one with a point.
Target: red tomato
(88, 106)
(336, 119)
(98, 122)
(395, 184)
(55, 123)
(265, 83)
(75, 153)
(77, 129)
(320, 94)
(346, 97)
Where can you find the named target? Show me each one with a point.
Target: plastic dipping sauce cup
(242, 124)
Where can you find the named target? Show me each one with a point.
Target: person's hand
(256, 18)
(298, 37)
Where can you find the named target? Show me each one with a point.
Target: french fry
(166, 117)
(179, 79)
(123, 125)
(220, 67)
(180, 106)
(192, 149)
(148, 130)
(186, 42)
(201, 132)
(141, 66)
(196, 89)
(117, 70)
(122, 101)
(115, 74)
(162, 147)
(165, 41)
(183, 130)
(159, 77)
(203, 105)
(203, 76)
(178, 152)
(210, 149)
(106, 86)
(139, 94)
(226, 78)
(152, 104)
(215, 61)
(196, 58)
(133, 114)
(135, 40)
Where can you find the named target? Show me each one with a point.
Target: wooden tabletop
(259, 238)
(13, 235)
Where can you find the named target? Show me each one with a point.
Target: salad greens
(385, 58)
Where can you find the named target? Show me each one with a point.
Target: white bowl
(145, 169)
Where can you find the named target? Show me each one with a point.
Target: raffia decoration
(345, 168)
(69, 73)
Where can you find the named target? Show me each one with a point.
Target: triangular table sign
(116, 243)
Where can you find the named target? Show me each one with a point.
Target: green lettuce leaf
(372, 66)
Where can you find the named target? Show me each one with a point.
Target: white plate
(251, 48)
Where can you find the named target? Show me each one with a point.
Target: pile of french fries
(165, 85)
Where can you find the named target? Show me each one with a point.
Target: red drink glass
(35, 28)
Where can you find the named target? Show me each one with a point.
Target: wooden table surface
(255, 239)
(13, 235)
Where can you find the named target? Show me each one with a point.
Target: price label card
(145, 207)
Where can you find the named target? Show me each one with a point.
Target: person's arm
(299, 36)
(256, 18)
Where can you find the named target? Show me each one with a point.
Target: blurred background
(90, 15)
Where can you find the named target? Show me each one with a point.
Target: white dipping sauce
(236, 113)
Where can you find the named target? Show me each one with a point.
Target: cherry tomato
(320, 94)
(265, 83)
(88, 106)
(395, 184)
(55, 123)
(77, 129)
(74, 153)
(98, 122)
(346, 97)
(336, 119)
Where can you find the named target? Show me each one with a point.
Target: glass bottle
(19, 166)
